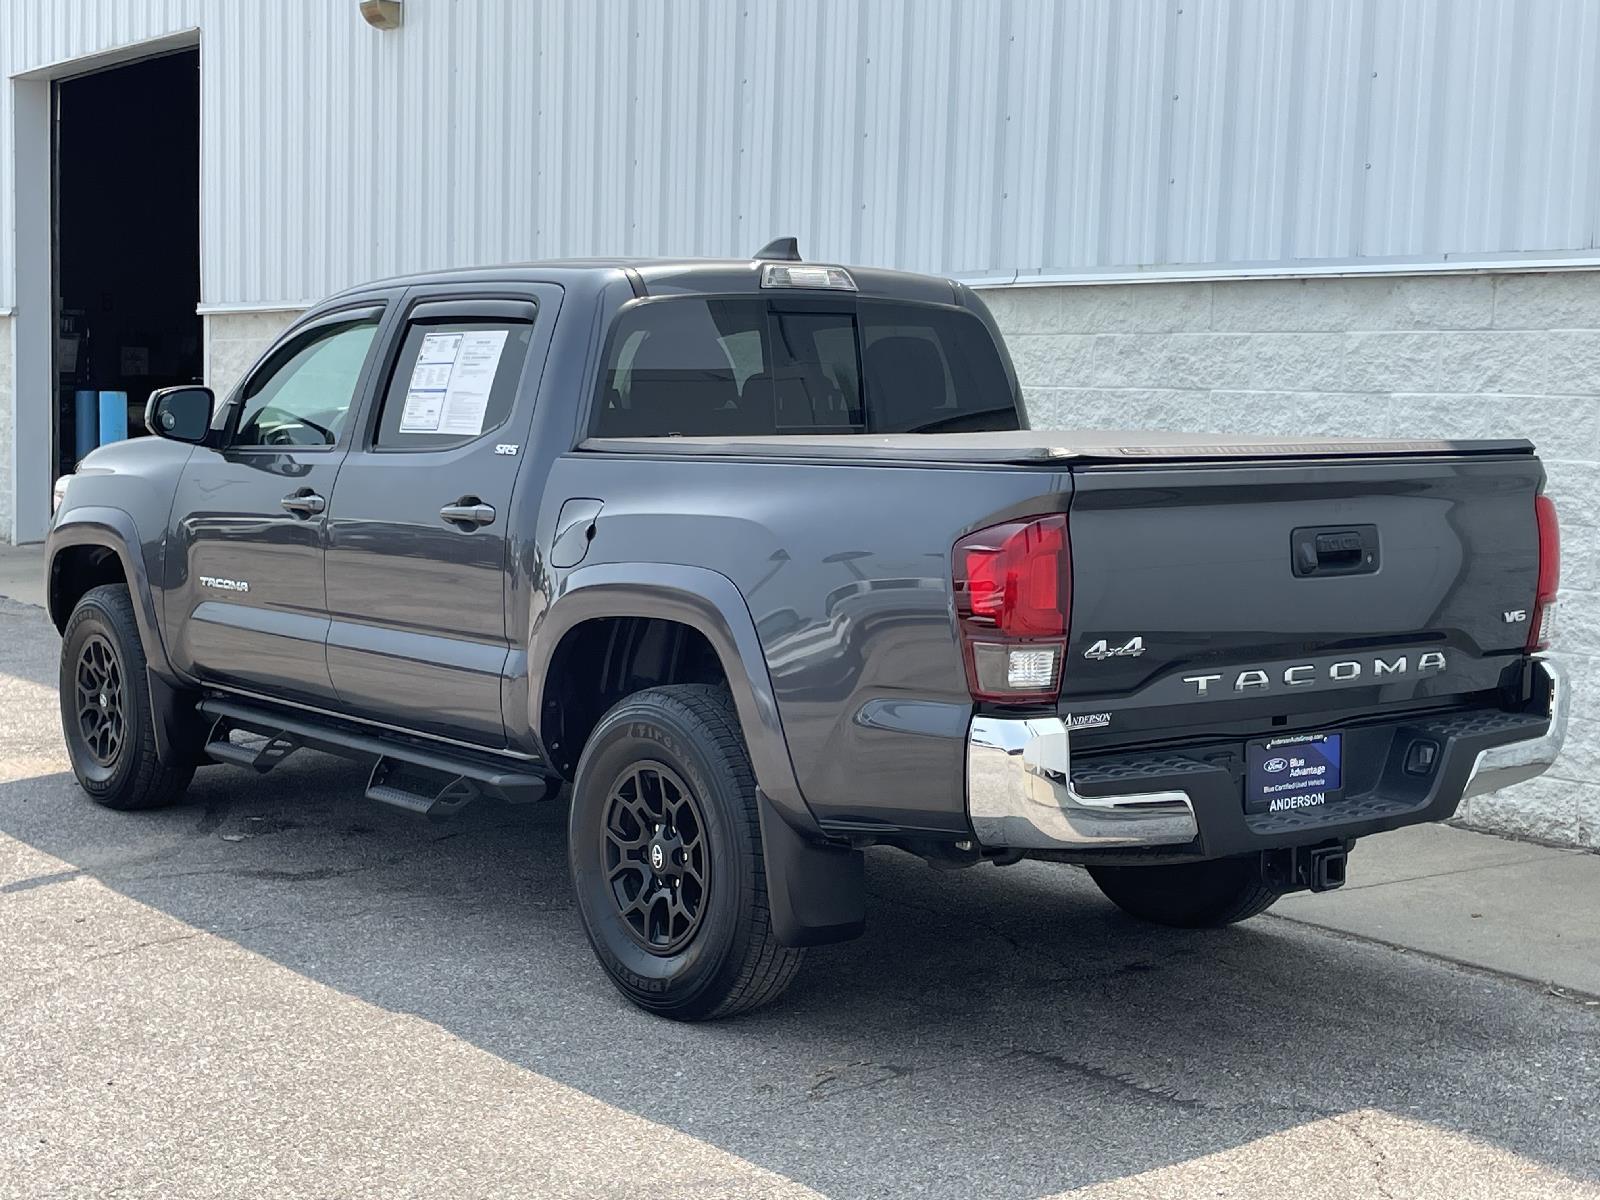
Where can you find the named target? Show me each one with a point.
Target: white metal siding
(971, 137)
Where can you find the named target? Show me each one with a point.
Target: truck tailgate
(1281, 595)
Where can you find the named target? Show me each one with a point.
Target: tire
(1203, 895)
(110, 728)
(695, 941)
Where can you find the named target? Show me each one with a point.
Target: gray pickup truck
(761, 565)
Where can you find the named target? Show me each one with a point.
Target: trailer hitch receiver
(1297, 868)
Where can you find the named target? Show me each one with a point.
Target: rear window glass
(746, 366)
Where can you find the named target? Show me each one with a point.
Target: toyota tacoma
(758, 564)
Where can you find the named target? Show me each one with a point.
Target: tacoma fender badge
(224, 585)
(1132, 648)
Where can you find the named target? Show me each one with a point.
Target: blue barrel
(87, 425)
(113, 417)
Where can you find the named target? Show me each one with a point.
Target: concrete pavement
(277, 988)
(22, 573)
(1511, 907)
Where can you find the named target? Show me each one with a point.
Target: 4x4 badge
(1132, 648)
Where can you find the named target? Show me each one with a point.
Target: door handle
(304, 503)
(469, 511)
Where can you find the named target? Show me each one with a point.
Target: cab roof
(676, 276)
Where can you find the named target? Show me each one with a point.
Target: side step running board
(410, 789)
(418, 779)
(261, 756)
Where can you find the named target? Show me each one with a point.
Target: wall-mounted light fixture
(382, 14)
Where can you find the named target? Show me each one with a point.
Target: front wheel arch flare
(105, 536)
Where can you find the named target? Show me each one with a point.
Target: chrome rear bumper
(1020, 795)
(1515, 762)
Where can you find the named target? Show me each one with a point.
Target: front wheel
(665, 852)
(1202, 895)
(105, 707)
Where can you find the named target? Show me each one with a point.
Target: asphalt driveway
(278, 988)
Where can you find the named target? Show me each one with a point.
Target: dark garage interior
(127, 245)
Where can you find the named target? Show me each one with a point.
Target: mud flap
(179, 727)
(817, 893)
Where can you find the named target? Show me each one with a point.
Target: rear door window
(454, 382)
(672, 369)
(743, 366)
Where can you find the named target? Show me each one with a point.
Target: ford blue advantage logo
(1275, 765)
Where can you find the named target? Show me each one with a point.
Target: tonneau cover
(1059, 446)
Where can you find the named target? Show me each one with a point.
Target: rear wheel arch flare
(711, 606)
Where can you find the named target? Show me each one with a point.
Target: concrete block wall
(1443, 355)
(235, 340)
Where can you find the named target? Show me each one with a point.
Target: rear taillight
(1013, 588)
(1542, 626)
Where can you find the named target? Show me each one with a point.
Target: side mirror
(180, 413)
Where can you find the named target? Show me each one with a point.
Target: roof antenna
(784, 249)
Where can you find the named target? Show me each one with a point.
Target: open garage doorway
(126, 245)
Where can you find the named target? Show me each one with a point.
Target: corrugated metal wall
(971, 137)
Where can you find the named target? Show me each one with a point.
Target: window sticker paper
(451, 382)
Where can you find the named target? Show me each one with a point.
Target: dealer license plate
(1287, 774)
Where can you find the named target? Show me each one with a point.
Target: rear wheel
(1199, 895)
(105, 707)
(665, 852)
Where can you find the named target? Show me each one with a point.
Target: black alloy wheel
(656, 856)
(101, 712)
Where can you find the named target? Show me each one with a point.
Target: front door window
(301, 396)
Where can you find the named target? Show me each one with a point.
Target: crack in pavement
(836, 1081)
(144, 945)
(1117, 1082)
(1351, 1123)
